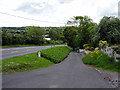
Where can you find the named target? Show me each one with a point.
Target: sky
(17, 13)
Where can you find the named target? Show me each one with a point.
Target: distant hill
(24, 28)
(13, 28)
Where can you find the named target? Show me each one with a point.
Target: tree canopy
(84, 27)
(109, 30)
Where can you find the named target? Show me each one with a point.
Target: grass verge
(101, 60)
(32, 61)
(24, 63)
(56, 54)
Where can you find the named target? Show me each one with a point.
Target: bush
(85, 45)
(56, 54)
(87, 48)
(51, 42)
(103, 44)
(101, 60)
(91, 48)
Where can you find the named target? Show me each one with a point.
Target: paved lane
(11, 52)
(71, 73)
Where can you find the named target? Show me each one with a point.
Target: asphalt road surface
(71, 73)
(11, 52)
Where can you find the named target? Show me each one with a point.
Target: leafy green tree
(84, 26)
(109, 30)
(70, 34)
(54, 34)
(6, 38)
(62, 38)
(95, 36)
(34, 35)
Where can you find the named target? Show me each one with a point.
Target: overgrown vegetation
(101, 60)
(56, 54)
(32, 61)
(85, 31)
(82, 30)
(80, 33)
(31, 35)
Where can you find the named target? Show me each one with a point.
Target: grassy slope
(101, 60)
(24, 63)
(32, 61)
(56, 54)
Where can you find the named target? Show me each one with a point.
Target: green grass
(101, 60)
(10, 46)
(56, 54)
(24, 63)
(32, 61)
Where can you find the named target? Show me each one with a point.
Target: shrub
(103, 44)
(56, 54)
(58, 42)
(91, 48)
(85, 45)
(87, 48)
(101, 60)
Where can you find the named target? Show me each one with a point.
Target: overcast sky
(53, 12)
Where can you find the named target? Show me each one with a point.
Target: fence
(111, 53)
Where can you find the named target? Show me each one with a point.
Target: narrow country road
(71, 73)
(11, 52)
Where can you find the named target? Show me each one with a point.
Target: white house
(46, 37)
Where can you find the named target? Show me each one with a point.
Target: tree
(54, 34)
(84, 26)
(95, 36)
(34, 35)
(70, 34)
(109, 30)
(6, 38)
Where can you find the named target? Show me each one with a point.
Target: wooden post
(39, 54)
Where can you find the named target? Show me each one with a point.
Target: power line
(29, 18)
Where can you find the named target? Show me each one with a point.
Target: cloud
(34, 8)
(65, 1)
(107, 13)
(41, 7)
(110, 10)
(54, 11)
